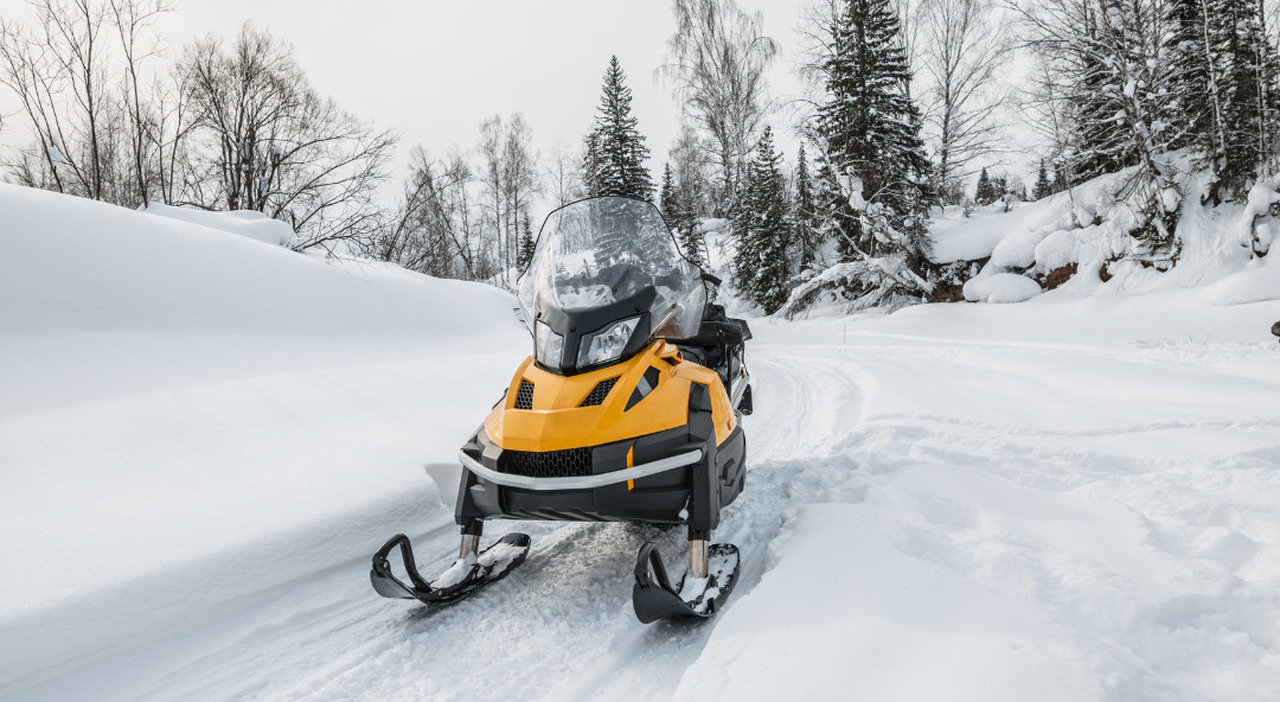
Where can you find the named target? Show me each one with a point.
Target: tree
(615, 150)
(986, 192)
(60, 74)
(527, 243)
(1103, 64)
(563, 174)
(804, 216)
(130, 18)
(264, 140)
(680, 218)
(762, 230)
(510, 180)
(1044, 187)
(873, 171)
(431, 232)
(964, 49)
(717, 57)
(1223, 73)
(690, 165)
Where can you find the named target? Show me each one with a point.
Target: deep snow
(203, 438)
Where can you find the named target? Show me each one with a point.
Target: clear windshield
(597, 252)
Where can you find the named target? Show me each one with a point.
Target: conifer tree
(869, 123)
(1043, 187)
(872, 173)
(527, 243)
(667, 196)
(1193, 104)
(615, 150)
(680, 218)
(804, 216)
(1224, 73)
(763, 232)
(985, 193)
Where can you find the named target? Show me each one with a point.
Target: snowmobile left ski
(471, 572)
(629, 410)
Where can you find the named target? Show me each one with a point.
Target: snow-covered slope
(181, 421)
(1089, 231)
(1073, 498)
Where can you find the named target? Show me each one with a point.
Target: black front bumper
(660, 498)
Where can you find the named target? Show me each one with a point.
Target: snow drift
(1069, 498)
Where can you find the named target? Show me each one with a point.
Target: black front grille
(569, 463)
(599, 392)
(524, 398)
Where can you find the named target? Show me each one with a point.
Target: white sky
(434, 69)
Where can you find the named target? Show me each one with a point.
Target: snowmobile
(629, 410)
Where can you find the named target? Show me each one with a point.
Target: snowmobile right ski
(471, 572)
(654, 598)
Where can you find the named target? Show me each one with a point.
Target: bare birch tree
(961, 57)
(271, 144)
(717, 60)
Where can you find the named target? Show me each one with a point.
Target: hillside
(203, 437)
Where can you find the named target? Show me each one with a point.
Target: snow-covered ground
(203, 438)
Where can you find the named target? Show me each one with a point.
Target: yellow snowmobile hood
(547, 412)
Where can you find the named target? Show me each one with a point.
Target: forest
(907, 112)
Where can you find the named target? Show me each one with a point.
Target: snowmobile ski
(471, 572)
(654, 598)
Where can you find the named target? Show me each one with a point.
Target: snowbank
(247, 223)
(1001, 287)
(74, 265)
(190, 416)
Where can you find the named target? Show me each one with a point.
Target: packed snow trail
(924, 517)
(204, 438)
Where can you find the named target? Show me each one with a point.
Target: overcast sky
(434, 69)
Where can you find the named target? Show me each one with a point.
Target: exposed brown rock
(1058, 276)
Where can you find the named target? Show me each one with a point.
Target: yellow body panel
(556, 421)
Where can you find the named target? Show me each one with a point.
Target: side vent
(524, 397)
(599, 392)
(646, 385)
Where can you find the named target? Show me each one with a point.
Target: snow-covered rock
(1055, 251)
(1001, 287)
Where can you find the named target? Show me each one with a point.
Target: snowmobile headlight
(549, 346)
(607, 344)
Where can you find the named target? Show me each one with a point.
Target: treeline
(907, 110)
(217, 124)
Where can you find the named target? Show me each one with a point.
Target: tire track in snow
(561, 625)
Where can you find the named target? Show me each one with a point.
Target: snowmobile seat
(719, 344)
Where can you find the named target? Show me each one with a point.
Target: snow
(247, 223)
(1001, 287)
(1056, 250)
(204, 438)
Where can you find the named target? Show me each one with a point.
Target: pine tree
(805, 227)
(1043, 187)
(985, 192)
(1224, 85)
(1250, 112)
(870, 124)
(688, 231)
(615, 150)
(763, 232)
(1192, 107)
(527, 243)
(873, 172)
(667, 197)
(680, 218)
